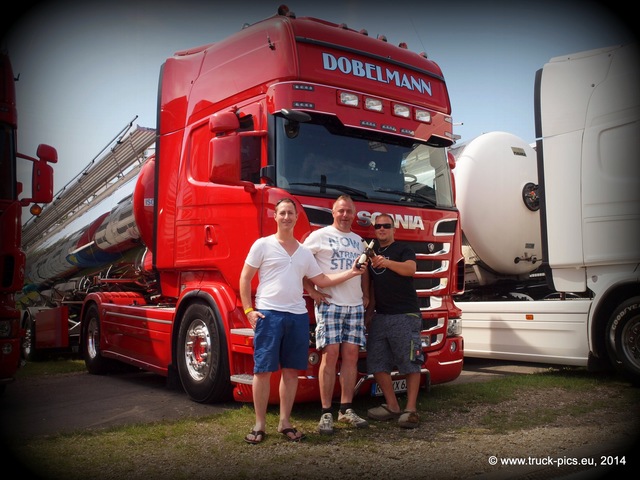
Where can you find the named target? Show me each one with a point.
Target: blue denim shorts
(281, 340)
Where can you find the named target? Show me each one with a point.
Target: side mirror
(224, 122)
(47, 153)
(42, 182)
(224, 162)
(42, 175)
(224, 159)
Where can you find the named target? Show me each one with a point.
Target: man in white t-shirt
(339, 313)
(280, 318)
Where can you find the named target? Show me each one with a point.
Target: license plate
(399, 386)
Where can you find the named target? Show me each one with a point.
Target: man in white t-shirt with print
(339, 312)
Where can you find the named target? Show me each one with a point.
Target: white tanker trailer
(552, 252)
(496, 192)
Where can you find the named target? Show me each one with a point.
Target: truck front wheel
(623, 335)
(94, 361)
(202, 356)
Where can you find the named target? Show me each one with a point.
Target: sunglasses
(386, 226)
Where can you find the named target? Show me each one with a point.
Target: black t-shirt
(394, 294)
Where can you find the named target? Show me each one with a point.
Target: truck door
(220, 218)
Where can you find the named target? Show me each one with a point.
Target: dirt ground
(459, 446)
(456, 445)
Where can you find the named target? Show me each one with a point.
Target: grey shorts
(389, 343)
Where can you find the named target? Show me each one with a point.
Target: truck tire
(94, 361)
(202, 358)
(623, 335)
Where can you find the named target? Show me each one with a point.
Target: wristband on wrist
(247, 310)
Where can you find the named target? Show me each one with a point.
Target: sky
(88, 68)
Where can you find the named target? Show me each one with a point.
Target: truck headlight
(454, 328)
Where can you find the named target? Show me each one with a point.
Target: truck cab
(315, 113)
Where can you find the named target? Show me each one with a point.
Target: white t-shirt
(280, 275)
(335, 252)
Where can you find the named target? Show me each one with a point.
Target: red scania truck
(12, 258)
(286, 107)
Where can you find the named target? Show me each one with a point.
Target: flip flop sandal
(258, 437)
(287, 431)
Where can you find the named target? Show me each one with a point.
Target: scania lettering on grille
(408, 222)
(371, 71)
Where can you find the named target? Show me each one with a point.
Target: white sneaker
(325, 427)
(351, 417)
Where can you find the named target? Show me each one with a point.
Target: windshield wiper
(414, 196)
(354, 192)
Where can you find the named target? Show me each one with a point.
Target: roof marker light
(284, 11)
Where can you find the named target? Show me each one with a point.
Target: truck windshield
(324, 160)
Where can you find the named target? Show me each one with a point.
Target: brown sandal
(297, 436)
(258, 437)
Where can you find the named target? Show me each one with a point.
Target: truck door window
(249, 148)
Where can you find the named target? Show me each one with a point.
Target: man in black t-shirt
(394, 324)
